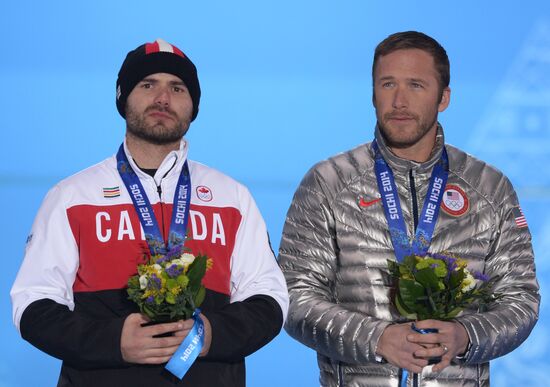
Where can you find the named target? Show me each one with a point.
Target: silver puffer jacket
(336, 243)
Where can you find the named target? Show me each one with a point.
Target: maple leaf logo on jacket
(204, 193)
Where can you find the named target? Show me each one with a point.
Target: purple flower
(174, 270)
(450, 262)
(174, 252)
(154, 282)
(162, 259)
(480, 276)
(150, 299)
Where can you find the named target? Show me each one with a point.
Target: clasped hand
(405, 348)
(138, 343)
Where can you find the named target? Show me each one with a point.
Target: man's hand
(207, 336)
(138, 345)
(397, 350)
(451, 340)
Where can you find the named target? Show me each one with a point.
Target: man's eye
(146, 85)
(387, 84)
(178, 89)
(416, 85)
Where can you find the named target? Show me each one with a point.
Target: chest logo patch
(111, 192)
(367, 203)
(455, 202)
(204, 193)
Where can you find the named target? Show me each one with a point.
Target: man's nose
(163, 97)
(400, 99)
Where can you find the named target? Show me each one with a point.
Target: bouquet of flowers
(169, 287)
(438, 287)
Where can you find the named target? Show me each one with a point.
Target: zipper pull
(159, 190)
(412, 185)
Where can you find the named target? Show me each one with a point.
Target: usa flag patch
(519, 218)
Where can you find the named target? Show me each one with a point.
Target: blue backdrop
(285, 84)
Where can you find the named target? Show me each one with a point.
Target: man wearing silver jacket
(336, 240)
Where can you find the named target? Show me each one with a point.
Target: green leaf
(403, 311)
(148, 311)
(199, 297)
(427, 278)
(133, 282)
(410, 292)
(455, 279)
(196, 272)
(410, 261)
(393, 268)
(452, 314)
(187, 314)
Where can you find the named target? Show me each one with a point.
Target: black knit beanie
(151, 58)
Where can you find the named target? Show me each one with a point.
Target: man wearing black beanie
(70, 297)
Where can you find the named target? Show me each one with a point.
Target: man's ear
(445, 99)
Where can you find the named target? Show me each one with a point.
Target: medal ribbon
(180, 209)
(394, 214)
(191, 347)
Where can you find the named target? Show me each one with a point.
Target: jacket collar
(402, 165)
(171, 165)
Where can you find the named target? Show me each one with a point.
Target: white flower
(184, 260)
(157, 268)
(187, 259)
(143, 282)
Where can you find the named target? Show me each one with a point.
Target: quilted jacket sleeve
(509, 321)
(309, 259)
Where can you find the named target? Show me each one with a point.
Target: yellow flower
(175, 290)
(461, 264)
(468, 283)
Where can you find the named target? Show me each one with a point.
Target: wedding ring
(445, 348)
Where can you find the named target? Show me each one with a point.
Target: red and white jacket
(69, 297)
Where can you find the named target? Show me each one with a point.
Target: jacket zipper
(159, 191)
(414, 201)
(340, 374)
(414, 378)
(151, 173)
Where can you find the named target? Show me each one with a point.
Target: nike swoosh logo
(369, 203)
